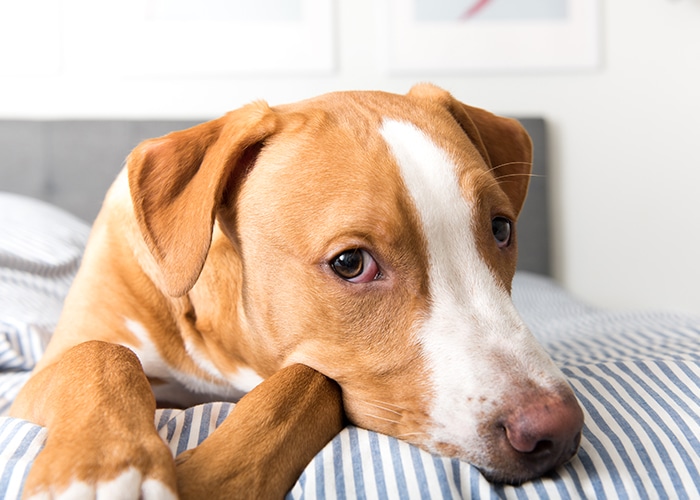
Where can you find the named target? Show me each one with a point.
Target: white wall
(625, 138)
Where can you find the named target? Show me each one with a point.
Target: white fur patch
(243, 380)
(131, 484)
(128, 485)
(246, 379)
(78, 490)
(125, 486)
(41, 496)
(147, 352)
(155, 490)
(472, 325)
(201, 360)
(184, 388)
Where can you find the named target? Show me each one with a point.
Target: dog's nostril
(541, 447)
(523, 441)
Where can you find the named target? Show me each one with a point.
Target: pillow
(40, 252)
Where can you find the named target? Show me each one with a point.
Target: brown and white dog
(366, 235)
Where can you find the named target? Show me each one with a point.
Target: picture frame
(456, 36)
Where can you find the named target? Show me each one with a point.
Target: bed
(636, 373)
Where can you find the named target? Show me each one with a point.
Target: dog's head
(378, 245)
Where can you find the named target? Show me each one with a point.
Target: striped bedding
(637, 375)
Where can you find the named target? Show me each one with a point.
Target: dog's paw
(130, 484)
(112, 469)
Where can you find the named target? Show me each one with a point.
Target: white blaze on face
(473, 339)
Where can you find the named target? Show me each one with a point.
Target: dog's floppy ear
(503, 142)
(177, 183)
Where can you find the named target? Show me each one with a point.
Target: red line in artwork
(474, 10)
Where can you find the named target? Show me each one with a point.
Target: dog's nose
(545, 434)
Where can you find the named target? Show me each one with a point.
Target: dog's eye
(501, 228)
(355, 265)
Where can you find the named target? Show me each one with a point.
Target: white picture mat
(513, 45)
(125, 38)
(30, 38)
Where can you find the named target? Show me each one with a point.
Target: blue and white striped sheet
(637, 375)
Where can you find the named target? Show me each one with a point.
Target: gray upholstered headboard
(72, 163)
(534, 222)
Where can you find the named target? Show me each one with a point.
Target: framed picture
(454, 36)
(203, 37)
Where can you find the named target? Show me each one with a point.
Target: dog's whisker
(411, 434)
(392, 421)
(491, 175)
(519, 175)
(384, 408)
(509, 163)
(385, 403)
(491, 181)
(486, 177)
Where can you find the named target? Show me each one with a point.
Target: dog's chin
(526, 469)
(510, 478)
(510, 467)
(501, 478)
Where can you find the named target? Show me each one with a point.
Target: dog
(363, 239)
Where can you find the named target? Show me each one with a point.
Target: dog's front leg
(99, 408)
(264, 445)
